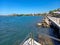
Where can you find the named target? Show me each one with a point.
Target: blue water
(14, 28)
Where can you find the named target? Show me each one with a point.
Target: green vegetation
(51, 13)
(55, 14)
(38, 14)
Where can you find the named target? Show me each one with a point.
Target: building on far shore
(57, 12)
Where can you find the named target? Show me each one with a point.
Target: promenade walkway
(55, 20)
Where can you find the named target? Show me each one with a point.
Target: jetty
(55, 20)
(55, 23)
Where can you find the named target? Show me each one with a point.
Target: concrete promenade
(55, 20)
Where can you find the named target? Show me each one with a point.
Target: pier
(55, 22)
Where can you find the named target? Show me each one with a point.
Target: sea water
(15, 28)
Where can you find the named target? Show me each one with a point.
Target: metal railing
(27, 37)
(42, 34)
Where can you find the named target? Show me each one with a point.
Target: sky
(27, 6)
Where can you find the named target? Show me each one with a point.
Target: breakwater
(55, 23)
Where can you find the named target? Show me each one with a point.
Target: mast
(32, 40)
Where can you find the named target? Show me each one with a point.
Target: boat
(31, 41)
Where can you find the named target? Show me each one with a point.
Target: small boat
(31, 41)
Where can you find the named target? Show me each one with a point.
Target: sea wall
(55, 26)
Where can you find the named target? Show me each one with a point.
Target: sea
(14, 29)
